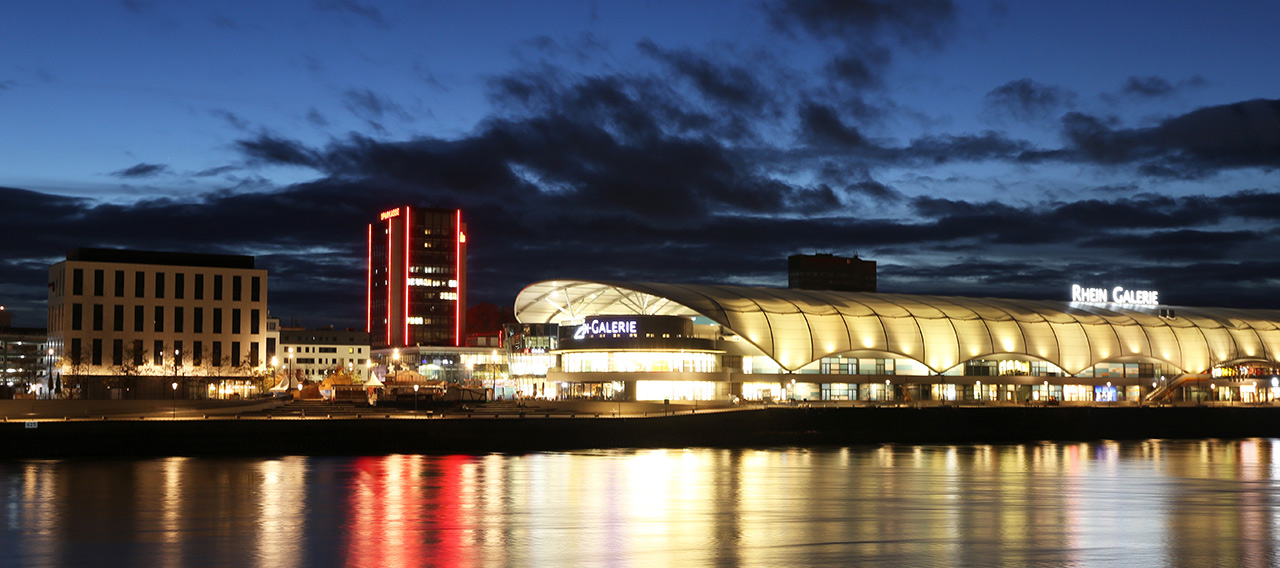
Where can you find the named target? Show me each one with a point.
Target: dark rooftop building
(830, 272)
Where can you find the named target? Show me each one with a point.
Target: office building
(417, 278)
(130, 324)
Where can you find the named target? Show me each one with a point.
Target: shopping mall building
(651, 341)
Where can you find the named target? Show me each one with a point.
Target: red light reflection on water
(410, 511)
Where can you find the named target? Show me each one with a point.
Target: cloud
(231, 118)
(270, 149)
(1189, 146)
(368, 12)
(821, 126)
(1152, 86)
(865, 30)
(141, 170)
(729, 85)
(1026, 100)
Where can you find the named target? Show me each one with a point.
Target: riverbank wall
(768, 427)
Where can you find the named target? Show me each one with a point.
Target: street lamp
(176, 355)
(415, 399)
(977, 385)
(395, 369)
(175, 400)
(291, 366)
(50, 371)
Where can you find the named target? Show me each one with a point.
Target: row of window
(127, 356)
(179, 319)
(313, 349)
(179, 285)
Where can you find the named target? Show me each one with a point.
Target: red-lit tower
(417, 278)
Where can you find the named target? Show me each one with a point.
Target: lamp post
(175, 400)
(415, 399)
(50, 372)
(291, 367)
(176, 355)
(977, 385)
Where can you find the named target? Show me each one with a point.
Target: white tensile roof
(796, 327)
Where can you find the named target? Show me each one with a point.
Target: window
(138, 318)
(253, 353)
(235, 353)
(217, 287)
(236, 283)
(97, 352)
(139, 285)
(117, 352)
(255, 290)
(76, 355)
(159, 318)
(77, 282)
(235, 321)
(254, 316)
(158, 354)
(97, 317)
(138, 352)
(77, 312)
(197, 326)
(179, 285)
(119, 283)
(159, 285)
(216, 358)
(98, 281)
(177, 353)
(217, 320)
(177, 319)
(196, 353)
(199, 287)
(117, 318)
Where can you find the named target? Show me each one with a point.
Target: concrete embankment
(744, 428)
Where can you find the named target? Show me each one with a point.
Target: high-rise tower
(417, 278)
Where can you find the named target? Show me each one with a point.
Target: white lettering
(596, 327)
(1118, 295)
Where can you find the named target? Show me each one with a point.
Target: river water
(1152, 503)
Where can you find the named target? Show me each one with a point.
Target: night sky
(971, 148)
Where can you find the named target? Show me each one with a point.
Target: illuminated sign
(596, 328)
(389, 214)
(1117, 295)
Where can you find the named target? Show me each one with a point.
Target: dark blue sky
(972, 148)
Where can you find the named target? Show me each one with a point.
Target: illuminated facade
(126, 323)
(824, 345)
(417, 278)
(313, 354)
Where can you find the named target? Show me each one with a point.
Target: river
(1151, 503)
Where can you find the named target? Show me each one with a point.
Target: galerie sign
(1117, 295)
(596, 328)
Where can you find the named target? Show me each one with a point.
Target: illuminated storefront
(1106, 345)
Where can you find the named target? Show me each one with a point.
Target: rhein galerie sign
(1116, 295)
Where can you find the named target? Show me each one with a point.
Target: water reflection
(1156, 502)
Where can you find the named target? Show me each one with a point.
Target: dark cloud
(269, 149)
(1026, 100)
(368, 12)
(821, 126)
(729, 85)
(1152, 86)
(210, 172)
(373, 108)
(865, 30)
(1192, 145)
(141, 170)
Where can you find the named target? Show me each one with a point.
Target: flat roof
(124, 256)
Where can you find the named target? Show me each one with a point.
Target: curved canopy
(797, 327)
